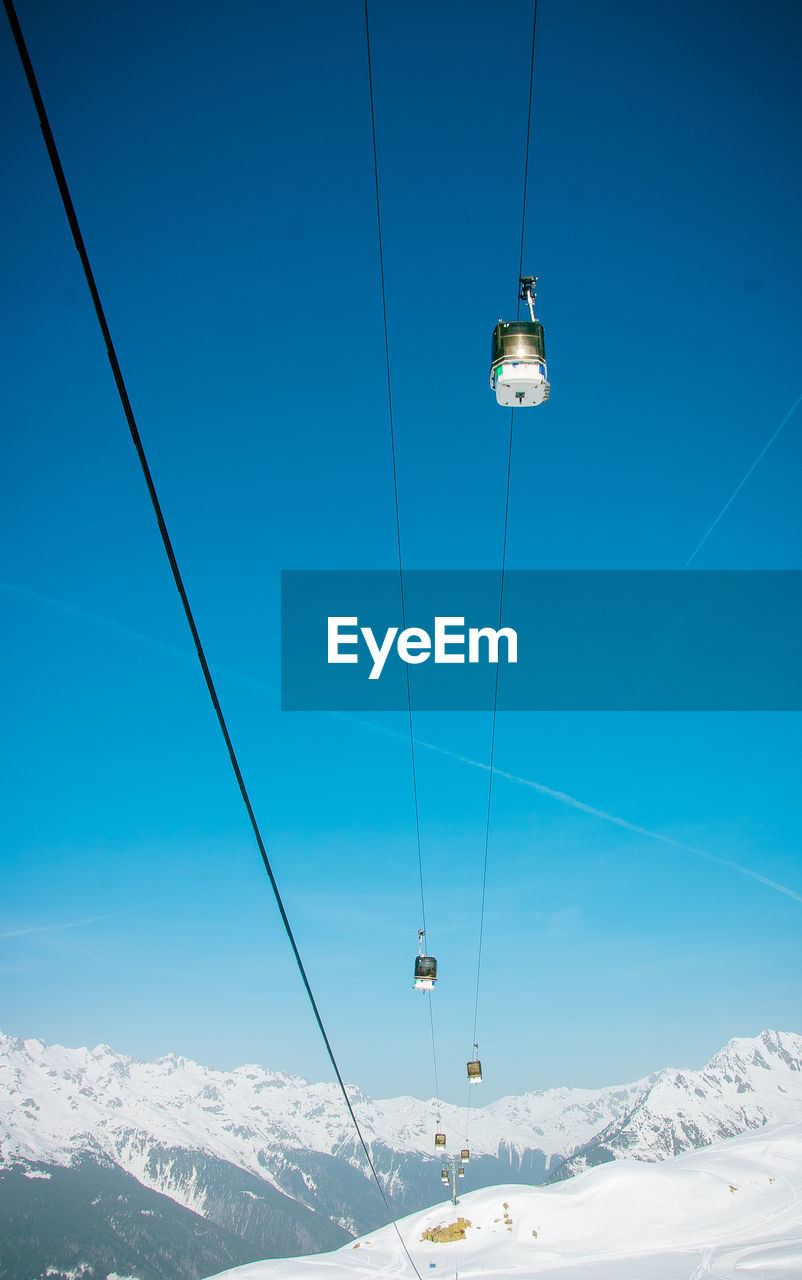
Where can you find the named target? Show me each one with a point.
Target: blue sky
(222, 172)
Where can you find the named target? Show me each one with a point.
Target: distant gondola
(475, 1068)
(425, 968)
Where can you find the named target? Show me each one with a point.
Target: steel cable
(503, 570)
(397, 515)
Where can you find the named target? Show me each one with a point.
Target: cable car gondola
(439, 1140)
(518, 372)
(425, 968)
(475, 1068)
(444, 1174)
(464, 1155)
(460, 1171)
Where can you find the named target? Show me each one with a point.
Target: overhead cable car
(460, 1171)
(425, 968)
(464, 1155)
(518, 372)
(475, 1068)
(439, 1140)
(444, 1174)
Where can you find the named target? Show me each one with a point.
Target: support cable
(503, 569)
(397, 516)
(72, 219)
(492, 740)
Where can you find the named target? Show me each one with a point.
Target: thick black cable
(503, 562)
(207, 675)
(395, 496)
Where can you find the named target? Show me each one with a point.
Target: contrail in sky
(573, 803)
(562, 797)
(86, 615)
(71, 924)
(98, 619)
(740, 486)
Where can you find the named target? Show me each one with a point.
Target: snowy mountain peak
(749, 1083)
(261, 1147)
(246, 1114)
(768, 1051)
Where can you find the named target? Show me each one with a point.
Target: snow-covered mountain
(56, 1101)
(269, 1162)
(747, 1085)
(730, 1210)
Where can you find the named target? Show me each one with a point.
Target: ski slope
(732, 1211)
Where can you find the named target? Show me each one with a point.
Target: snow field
(729, 1212)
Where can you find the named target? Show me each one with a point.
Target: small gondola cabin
(425, 973)
(475, 1071)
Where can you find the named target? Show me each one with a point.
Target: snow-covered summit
(270, 1162)
(747, 1084)
(188, 1131)
(54, 1099)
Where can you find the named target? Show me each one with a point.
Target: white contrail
(98, 619)
(70, 924)
(740, 486)
(75, 611)
(561, 796)
(564, 798)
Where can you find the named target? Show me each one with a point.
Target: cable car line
(524, 292)
(397, 514)
(493, 735)
(80, 246)
(526, 151)
(393, 453)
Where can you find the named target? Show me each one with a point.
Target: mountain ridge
(675, 1113)
(274, 1158)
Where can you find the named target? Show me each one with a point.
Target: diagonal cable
(129, 416)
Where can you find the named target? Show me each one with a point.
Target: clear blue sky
(221, 167)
